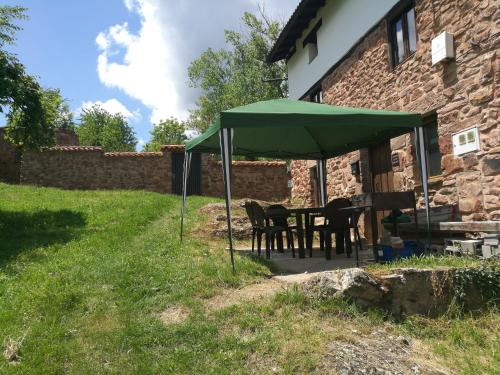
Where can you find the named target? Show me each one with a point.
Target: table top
(306, 210)
(296, 211)
(385, 200)
(355, 208)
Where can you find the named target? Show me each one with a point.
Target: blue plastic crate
(411, 248)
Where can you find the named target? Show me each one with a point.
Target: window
(316, 96)
(403, 34)
(432, 146)
(311, 42)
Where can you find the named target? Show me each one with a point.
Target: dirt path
(264, 289)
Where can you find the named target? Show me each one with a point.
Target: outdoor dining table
(304, 234)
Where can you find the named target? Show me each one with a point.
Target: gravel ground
(378, 354)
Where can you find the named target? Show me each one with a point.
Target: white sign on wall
(465, 141)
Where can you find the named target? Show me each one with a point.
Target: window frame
(315, 95)
(311, 42)
(400, 12)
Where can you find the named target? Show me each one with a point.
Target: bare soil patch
(174, 315)
(261, 290)
(217, 223)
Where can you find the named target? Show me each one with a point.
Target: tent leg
(425, 178)
(226, 152)
(185, 175)
(322, 181)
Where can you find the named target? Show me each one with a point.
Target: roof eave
(300, 19)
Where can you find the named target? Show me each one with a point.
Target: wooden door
(382, 174)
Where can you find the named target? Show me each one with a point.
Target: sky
(129, 56)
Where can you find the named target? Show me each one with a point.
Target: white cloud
(154, 62)
(113, 106)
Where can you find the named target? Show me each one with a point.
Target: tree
(53, 114)
(167, 132)
(234, 76)
(57, 110)
(98, 127)
(8, 28)
(19, 91)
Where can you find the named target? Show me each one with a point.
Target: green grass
(426, 262)
(84, 274)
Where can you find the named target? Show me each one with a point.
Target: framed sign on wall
(465, 141)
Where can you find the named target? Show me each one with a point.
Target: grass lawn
(84, 276)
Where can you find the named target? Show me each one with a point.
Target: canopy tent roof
(291, 129)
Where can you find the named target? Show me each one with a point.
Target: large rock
(419, 291)
(353, 283)
(407, 291)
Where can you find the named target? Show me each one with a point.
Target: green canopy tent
(290, 129)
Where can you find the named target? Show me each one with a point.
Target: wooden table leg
(373, 215)
(300, 235)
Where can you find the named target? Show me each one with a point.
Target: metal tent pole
(185, 175)
(425, 178)
(322, 181)
(227, 156)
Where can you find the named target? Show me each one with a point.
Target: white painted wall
(344, 22)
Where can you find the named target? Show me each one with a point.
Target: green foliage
(29, 127)
(483, 280)
(234, 76)
(8, 28)
(98, 127)
(32, 126)
(57, 110)
(167, 132)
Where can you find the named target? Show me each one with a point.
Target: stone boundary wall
(10, 156)
(264, 180)
(85, 167)
(463, 93)
(10, 161)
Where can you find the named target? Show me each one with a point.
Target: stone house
(378, 54)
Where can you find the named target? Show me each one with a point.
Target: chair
(338, 222)
(259, 215)
(253, 222)
(279, 217)
(354, 225)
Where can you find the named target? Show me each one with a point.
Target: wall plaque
(395, 159)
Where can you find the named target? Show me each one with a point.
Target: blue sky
(129, 55)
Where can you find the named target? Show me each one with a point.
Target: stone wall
(83, 167)
(10, 161)
(463, 93)
(73, 167)
(264, 180)
(10, 156)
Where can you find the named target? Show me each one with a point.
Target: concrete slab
(287, 265)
